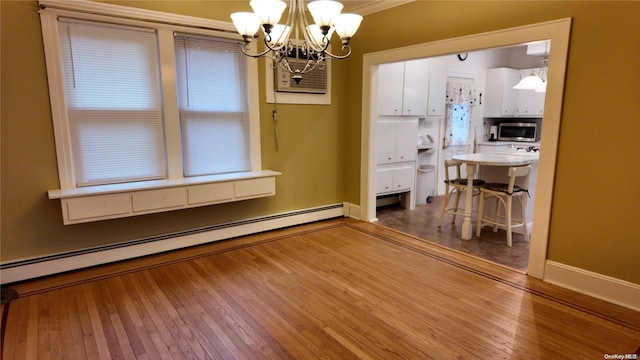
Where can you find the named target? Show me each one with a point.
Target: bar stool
(504, 195)
(455, 185)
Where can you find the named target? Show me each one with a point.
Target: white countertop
(503, 142)
(497, 159)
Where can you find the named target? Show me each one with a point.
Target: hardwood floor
(422, 222)
(338, 289)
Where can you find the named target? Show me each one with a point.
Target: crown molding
(126, 12)
(371, 6)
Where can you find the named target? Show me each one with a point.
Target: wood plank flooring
(337, 289)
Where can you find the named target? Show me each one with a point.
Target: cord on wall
(274, 115)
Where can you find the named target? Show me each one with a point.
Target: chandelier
(296, 38)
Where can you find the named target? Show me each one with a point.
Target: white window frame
(166, 25)
(102, 202)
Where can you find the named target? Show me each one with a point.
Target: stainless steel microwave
(526, 132)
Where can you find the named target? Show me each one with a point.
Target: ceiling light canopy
(296, 38)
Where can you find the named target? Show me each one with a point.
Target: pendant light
(533, 81)
(530, 82)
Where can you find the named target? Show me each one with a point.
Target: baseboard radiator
(53, 264)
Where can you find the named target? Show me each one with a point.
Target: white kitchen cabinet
(390, 88)
(500, 98)
(530, 103)
(403, 87)
(396, 140)
(395, 178)
(437, 87)
(396, 154)
(416, 87)
(492, 147)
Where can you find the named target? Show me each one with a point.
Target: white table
(496, 159)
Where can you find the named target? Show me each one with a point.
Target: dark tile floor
(423, 223)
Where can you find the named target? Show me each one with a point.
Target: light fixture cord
(274, 114)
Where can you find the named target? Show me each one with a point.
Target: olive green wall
(592, 224)
(310, 156)
(596, 199)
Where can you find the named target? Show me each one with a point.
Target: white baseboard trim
(354, 210)
(49, 265)
(619, 292)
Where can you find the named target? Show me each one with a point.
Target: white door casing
(558, 32)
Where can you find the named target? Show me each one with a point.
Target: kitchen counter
(516, 143)
(505, 158)
(498, 163)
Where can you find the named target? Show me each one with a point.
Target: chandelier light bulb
(279, 34)
(246, 23)
(346, 25)
(324, 11)
(269, 11)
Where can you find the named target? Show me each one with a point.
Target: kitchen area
(431, 110)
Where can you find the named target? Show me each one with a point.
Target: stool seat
(501, 187)
(504, 193)
(476, 182)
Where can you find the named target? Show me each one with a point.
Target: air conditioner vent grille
(313, 82)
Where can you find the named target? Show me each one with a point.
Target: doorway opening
(556, 31)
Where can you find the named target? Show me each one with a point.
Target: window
(461, 96)
(112, 87)
(458, 121)
(213, 106)
(136, 100)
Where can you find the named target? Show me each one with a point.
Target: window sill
(104, 202)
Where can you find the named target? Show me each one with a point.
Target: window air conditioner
(313, 82)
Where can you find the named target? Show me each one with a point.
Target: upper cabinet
(403, 88)
(500, 98)
(530, 103)
(437, 87)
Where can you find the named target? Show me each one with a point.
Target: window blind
(213, 103)
(113, 96)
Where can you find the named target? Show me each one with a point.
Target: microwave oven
(526, 132)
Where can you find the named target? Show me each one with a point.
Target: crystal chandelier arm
(246, 49)
(345, 48)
